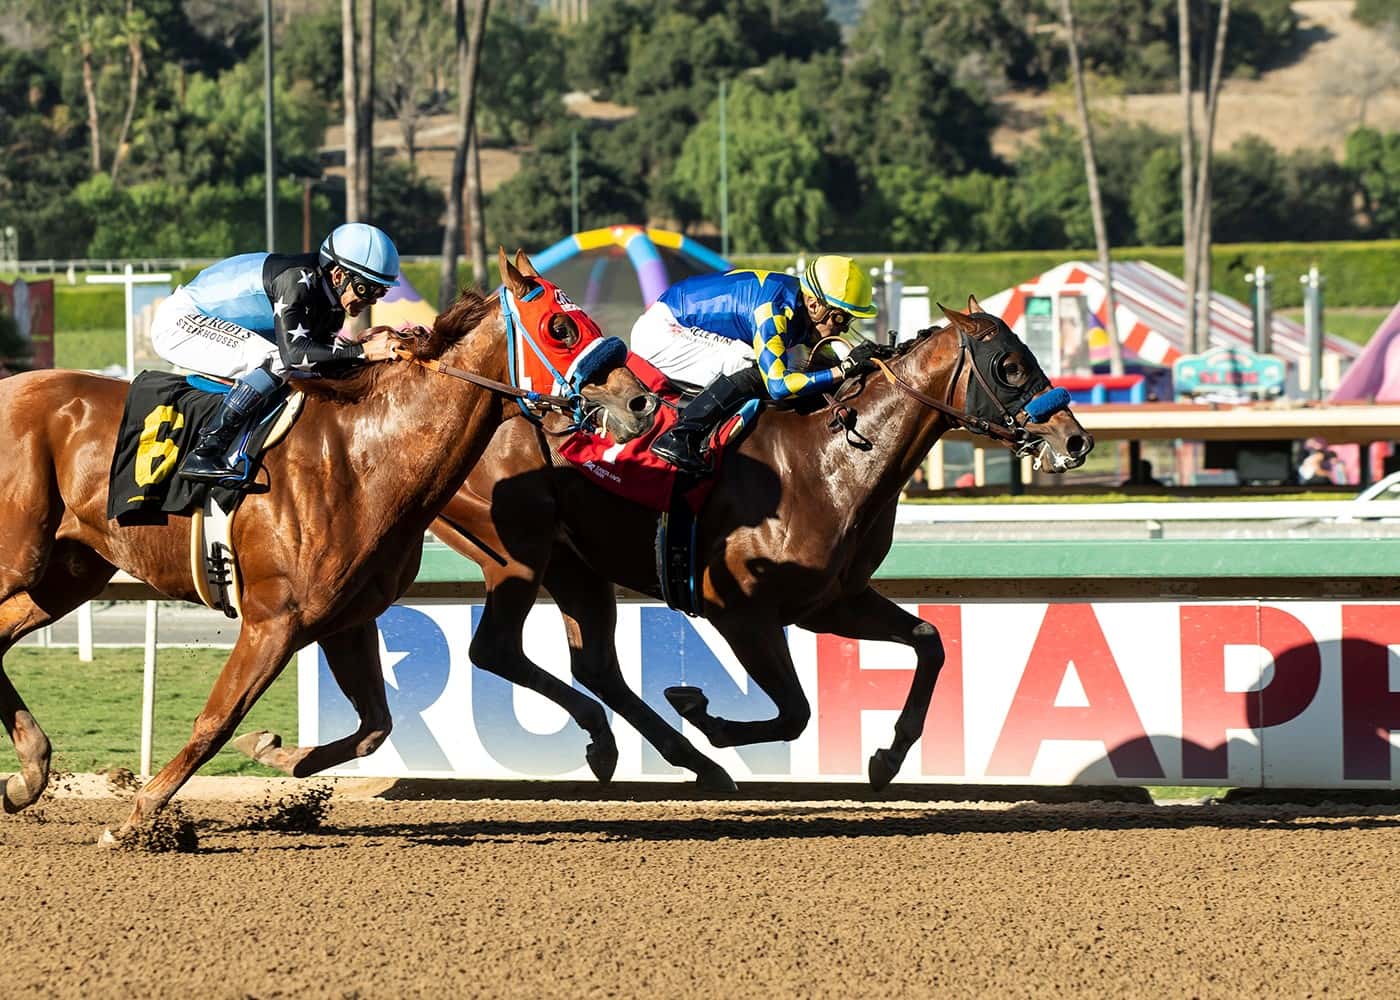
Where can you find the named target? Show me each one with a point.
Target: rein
(1013, 433)
(562, 404)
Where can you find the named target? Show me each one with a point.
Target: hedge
(1357, 275)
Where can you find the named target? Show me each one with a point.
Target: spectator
(1320, 465)
(917, 485)
(1142, 475)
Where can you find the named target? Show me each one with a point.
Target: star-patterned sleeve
(770, 347)
(306, 322)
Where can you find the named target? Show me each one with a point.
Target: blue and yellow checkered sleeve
(770, 347)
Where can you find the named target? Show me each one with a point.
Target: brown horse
(803, 514)
(334, 540)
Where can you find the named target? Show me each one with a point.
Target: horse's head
(559, 348)
(1005, 385)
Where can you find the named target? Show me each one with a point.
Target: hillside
(1310, 102)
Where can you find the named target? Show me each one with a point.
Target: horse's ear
(956, 318)
(515, 281)
(523, 262)
(973, 306)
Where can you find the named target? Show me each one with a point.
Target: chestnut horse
(334, 540)
(803, 514)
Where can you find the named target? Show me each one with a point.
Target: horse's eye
(1012, 371)
(563, 329)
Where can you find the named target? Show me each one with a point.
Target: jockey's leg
(683, 445)
(353, 657)
(209, 461)
(763, 652)
(871, 615)
(589, 608)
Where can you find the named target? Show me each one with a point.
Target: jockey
(710, 330)
(256, 316)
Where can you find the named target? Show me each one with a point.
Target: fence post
(85, 632)
(148, 691)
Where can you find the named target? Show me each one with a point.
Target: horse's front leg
(763, 650)
(353, 657)
(258, 657)
(870, 615)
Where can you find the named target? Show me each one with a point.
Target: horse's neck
(424, 432)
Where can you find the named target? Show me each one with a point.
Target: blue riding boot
(209, 462)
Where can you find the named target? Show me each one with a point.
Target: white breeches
(687, 353)
(190, 339)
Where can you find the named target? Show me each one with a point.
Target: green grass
(92, 711)
(89, 348)
(1356, 325)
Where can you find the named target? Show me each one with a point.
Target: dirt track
(743, 899)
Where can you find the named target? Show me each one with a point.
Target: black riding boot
(683, 445)
(209, 461)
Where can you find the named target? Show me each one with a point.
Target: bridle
(572, 404)
(1011, 426)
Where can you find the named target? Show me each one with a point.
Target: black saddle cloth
(161, 422)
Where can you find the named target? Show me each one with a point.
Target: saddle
(162, 418)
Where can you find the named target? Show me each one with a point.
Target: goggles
(366, 290)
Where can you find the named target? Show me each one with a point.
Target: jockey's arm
(298, 309)
(770, 349)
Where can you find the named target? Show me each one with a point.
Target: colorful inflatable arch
(617, 271)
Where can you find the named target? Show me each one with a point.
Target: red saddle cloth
(631, 470)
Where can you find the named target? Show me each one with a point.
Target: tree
(1373, 158)
(776, 170)
(410, 77)
(533, 207)
(468, 61)
(1091, 175)
(524, 90)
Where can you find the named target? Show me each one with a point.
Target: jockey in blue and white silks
(744, 334)
(256, 316)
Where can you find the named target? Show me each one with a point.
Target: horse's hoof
(884, 765)
(602, 761)
(717, 781)
(690, 702)
(107, 839)
(254, 745)
(16, 795)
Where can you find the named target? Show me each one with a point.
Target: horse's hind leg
(72, 574)
(497, 647)
(353, 657)
(762, 649)
(870, 615)
(589, 608)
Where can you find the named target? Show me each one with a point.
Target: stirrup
(208, 470)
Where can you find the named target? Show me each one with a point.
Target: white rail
(1241, 510)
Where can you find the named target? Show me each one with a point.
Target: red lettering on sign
(1069, 634)
(1208, 710)
(844, 690)
(1370, 710)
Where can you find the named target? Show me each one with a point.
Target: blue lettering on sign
(673, 652)
(419, 661)
(538, 755)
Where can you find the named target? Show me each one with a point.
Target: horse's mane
(463, 316)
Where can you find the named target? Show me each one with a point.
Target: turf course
(92, 711)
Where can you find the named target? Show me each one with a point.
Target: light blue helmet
(364, 250)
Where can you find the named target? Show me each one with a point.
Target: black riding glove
(859, 358)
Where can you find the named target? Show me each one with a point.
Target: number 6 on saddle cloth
(161, 421)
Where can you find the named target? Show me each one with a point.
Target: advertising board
(1276, 693)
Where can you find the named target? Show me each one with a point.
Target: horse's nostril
(1076, 444)
(639, 404)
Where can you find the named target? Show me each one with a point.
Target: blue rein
(1047, 404)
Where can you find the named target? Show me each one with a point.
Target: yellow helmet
(840, 283)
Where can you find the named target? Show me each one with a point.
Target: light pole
(723, 179)
(269, 156)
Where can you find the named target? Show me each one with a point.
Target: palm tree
(468, 61)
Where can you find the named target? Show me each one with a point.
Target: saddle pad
(161, 420)
(631, 470)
